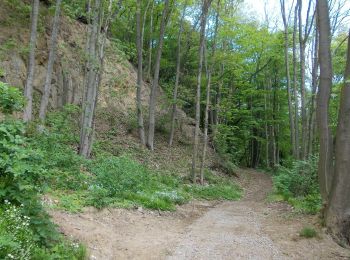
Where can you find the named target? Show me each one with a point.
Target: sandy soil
(247, 229)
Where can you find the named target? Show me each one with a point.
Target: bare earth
(247, 229)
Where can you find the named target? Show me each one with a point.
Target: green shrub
(120, 179)
(63, 250)
(299, 185)
(308, 232)
(300, 180)
(26, 231)
(11, 99)
(20, 171)
(16, 240)
(310, 204)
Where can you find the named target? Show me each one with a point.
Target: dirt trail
(247, 229)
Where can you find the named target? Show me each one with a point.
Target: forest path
(251, 228)
(232, 230)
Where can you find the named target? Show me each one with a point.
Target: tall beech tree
(325, 167)
(304, 32)
(203, 22)
(154, 89)
(96, 40)
(209, 71)
(286, 60)
(337, 214)
(139, 43)
(295, 82)
(28, 89)
(177, 77)
(52, 55)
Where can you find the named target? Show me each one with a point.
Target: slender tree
(28, 90)
(203, 21)
(177, 77)
(139, 43)
(314, 82)
(325, 166)
(286, 60)
(295, 83)
(303, 37)
(154, 89)
(52, 56)
(209, 71)
(90, 87)
(150, 44)
(95, 63)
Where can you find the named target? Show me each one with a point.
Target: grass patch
(308, 232)
(214, 191)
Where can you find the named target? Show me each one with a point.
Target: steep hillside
(117, 97)
(116, 127)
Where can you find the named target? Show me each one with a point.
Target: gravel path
(231, 230)
(251, 228)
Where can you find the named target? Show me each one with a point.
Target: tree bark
(206, 125)
(338, 211)
(28, 90)
(303, 37)
(150, 44)
(314, 81)
(177, 77)
(302, 84)
(286, 60)
(325, 166)
(52, 56)
(295, 84)
(205, 7)
(152, 100)
(95, 64)
(209, 69)
(139, 44)
(90, 88)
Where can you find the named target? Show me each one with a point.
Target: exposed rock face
(67, 80)
(68, 74)
(118, 90)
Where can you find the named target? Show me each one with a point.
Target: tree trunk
(302, 85)
(95, 64)
(177, 77)
(28, 90)
(152, 100)
(150, 44)
(203, 19)
(325, 166)
(52, 56)
(206, 125)
(139, 44)
(266, 128)
(90, 88)
(295, 87)
(338, 211)
(209, 69)
(314, 81)
(303, 37)
(286, 60)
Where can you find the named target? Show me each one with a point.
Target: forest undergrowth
(41, 170)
